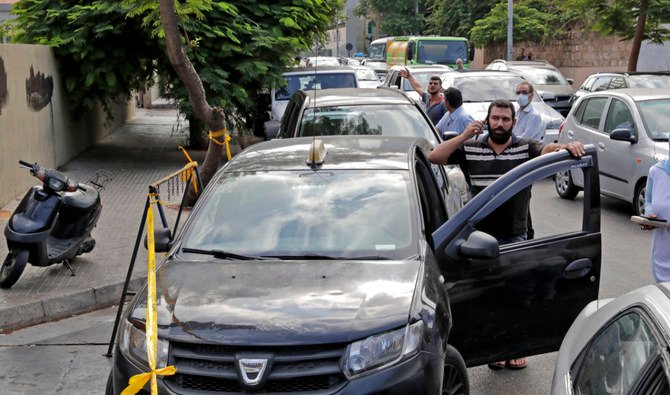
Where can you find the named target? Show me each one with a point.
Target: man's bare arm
(415, 84)
(440, 155)
(575, 148)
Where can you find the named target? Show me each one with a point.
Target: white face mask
(522, 100)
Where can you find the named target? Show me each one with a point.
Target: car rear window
(378, 119)
(315, 81)
(649, 81)
(343, 213)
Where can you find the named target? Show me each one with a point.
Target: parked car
(306, 78)
(382, 111)
(335, 270)
(618, 346)
(318, 61)
(421, 73)
(367, 77)
(624, 79)
(553, 87)
(630, 127)
(480, 88)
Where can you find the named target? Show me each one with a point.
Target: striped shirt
(483, 166)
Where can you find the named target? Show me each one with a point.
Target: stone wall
(35, 121)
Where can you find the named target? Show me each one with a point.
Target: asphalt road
(66, 357)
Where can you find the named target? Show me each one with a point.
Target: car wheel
(12, 267)
(455, 379)
(564, 185)
(639, 198)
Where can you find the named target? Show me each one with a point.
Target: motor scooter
(52, 224)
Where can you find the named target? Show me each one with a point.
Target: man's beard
(500, 135)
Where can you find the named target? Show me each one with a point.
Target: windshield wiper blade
(305, 257)
(220, 254)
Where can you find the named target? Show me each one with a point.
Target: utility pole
(510, 26)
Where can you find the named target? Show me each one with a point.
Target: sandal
(497, 365)
(520, 363)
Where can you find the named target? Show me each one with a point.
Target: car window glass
(480, 88)
(421, 77)
(588, 84)
(617, 83)
(324, 81)
(378, 119)
(593, 110)
(341, 213)
(600, 84)
(656, 118)
(616, 356)
(649, 81)
(542, 76)
(618, 117)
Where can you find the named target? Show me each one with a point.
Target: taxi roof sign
(317, 153)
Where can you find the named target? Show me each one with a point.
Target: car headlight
(381, 350)
(133, 345)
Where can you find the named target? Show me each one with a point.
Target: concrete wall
(35, 122)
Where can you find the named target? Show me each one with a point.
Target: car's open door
(519, 299)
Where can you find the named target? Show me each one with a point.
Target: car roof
(637, 94)
(319, 70)
(356, 96)
(485, 73)
(343, 152)
(628, 73)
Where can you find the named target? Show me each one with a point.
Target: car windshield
(441, 51)
(649, 81)
(373, 119)
(339, 214)
(540, 76)
(314, 81)
(478, 89)
(656, 118)
(377, 51)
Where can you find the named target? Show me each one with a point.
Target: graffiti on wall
(4, 94)
(39, 89)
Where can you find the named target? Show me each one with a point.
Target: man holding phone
(488, 158)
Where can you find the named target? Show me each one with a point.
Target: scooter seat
(81, 201)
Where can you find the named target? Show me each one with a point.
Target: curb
(65, 305)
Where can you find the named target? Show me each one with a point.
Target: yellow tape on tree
(138, 381)
(226, 140)
(190, 172)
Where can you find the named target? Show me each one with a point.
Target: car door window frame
(583, 111)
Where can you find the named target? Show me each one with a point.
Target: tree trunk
(639, 34)
(212, 117)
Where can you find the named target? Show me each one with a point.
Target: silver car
(618, 346)
(480, 88)
(630, 127)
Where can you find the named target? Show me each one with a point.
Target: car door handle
(601, 146)
(579, 268)
(571, 134)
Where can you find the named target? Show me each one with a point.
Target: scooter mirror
(162, 240)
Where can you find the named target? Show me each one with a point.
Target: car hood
(281, 302)
(555, 89)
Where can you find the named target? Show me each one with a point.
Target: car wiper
(327, 257)
(220, 254)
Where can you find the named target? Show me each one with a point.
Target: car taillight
(560, 128)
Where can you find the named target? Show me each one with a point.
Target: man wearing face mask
(488, 158)
(529, 124)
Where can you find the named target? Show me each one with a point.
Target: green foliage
(537, 20)
(239, 48)
(456, 17)
(398, 17)
(619, 17)
(102, 53)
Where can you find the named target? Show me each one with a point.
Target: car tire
(564, 185)
(109, 389)
(639, 198)
(455, 379)
(12, 267)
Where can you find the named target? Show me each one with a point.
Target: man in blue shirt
(457, 119)
(529, 124)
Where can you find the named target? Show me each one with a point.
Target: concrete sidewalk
(137, 154)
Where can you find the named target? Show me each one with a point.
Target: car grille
(211, 368)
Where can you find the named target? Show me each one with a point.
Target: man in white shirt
(529, 124)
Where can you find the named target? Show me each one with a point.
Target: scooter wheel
(12, 267)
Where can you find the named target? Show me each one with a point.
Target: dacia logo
(252, 371)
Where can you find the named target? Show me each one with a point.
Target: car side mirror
(479, 245)
(471, 54)
(448, 135)
(162, 240)
(410, 51)
(623, 134)
(570, 81)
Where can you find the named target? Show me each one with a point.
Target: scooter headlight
(133, 345)
(382, 350)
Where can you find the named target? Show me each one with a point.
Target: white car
(367, 77)
(618, 346)
(421, 73)
(480, 88)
